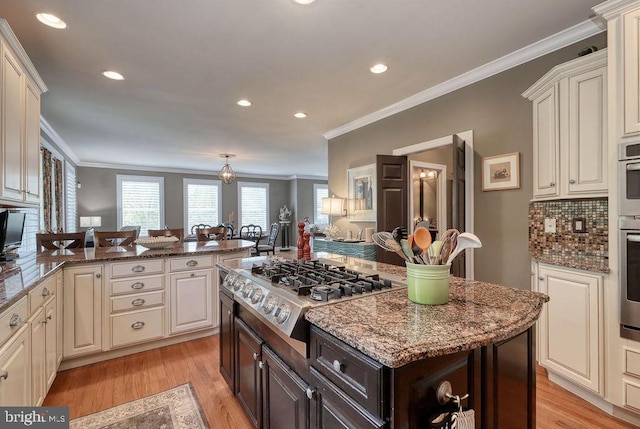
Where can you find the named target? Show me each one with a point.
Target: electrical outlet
(579, 224)
(550, 226)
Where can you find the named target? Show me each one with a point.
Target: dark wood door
(458, 200)
(248, 381)
(392, 199)
(284, 395)
(331, 408)
(226, 340)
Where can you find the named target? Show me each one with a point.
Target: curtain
(58, 194)
(46, 189)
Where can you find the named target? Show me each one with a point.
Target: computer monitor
(11, 230)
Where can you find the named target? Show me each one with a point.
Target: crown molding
(13, 42)
(611, 8)
(56, 139)
(552, 43)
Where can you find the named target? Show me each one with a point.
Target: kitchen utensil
(399, 233)
(385, 240)
(406, 249)
(449, 242)
(434, 252)
(422, 237)
(416, 250)
(466, 240)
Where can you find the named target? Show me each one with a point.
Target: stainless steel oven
(629, 234)
(629, 179)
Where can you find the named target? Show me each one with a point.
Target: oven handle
(633, 167)
(633, 238)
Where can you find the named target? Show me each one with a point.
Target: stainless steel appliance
(279, 291)
(629, 235)
(629, 179)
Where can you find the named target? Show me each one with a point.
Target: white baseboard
(591, 397)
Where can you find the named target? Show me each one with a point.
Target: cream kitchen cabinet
(570, 129)
(20, 89)
(82, 310)
(193, 294)
(59, 322)
(38, 357)
(15, 369)
(571, 325)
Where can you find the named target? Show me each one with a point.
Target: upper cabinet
(570, 129)
(20, 89)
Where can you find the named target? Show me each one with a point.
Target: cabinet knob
(260, 364)
(98, 275)
(572, 181)
(138, 302)
(338, 366)
(255, 356)
(311, 393)
(46, 292)
(552, 184)
(4, 374)
(15, 320)
(137, 325)
(540, 278)
(192, 263)
(193, 275)
(228, 312)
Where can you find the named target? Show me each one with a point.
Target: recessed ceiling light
(378, 68)
(304, 1)
(112, 75)
(51, 20)
(300, 115)
(244, 103)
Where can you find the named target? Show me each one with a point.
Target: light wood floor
(99, 386)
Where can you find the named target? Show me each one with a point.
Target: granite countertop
(395, 331)
(17, 278)
(580, 262)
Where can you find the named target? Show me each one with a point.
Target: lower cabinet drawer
(139, 267)
(137, 327)
(137, 284)
(137, 301)
(191, 262)
(13, 318)
(631, 394)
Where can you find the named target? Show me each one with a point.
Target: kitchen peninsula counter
(19, 277)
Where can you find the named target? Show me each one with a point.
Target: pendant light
(226, 174)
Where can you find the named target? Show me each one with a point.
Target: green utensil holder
(428, 284)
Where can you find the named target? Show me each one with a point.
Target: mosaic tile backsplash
(588, 250)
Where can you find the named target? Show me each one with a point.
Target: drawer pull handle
(98, 276)
(46, 292)
(137, 285)
(338, 366)
(138, 269)
(15, 320)
(137, 325)
(572, 181)
(311, 393)
(138, 302)
(193, 275)
(5, 374)
(255, 356)
(192, 263)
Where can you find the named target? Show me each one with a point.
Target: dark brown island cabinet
(337, 386)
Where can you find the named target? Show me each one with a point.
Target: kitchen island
(380, 360)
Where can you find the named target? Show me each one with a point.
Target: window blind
(141, 202)
(253, 202)
(202, 203)
(320, 191)
(71, 203)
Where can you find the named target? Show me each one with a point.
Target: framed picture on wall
(361, 183)
(501, 172)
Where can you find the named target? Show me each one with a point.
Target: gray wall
(502, 122)
(97, 195)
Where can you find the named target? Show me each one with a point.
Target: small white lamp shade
(333, 206)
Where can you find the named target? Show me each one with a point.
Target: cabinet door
(587, 133)
(38, 357)
(631, 71)
(331, 408)
(32, 145)
(59, 323)
(15, 371)
(571, 325)
(226, 340)
(546, 139)
(82, 310)
(284, 395)
(51, 340)
(248, 380)
(192, 301)
(11, 127)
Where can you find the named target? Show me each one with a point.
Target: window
(52, 204)
(202, 203)
(319, 192)
(253, 204)
(140, 202)
(71, 185)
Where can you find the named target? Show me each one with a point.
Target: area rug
(177, 408)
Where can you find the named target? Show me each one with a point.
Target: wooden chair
(195, 228)
(59, 241)
(177, 232)
(111, 238)
(271, 240)
(253, 233)
(216, 233)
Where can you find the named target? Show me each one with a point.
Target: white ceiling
(187, 62)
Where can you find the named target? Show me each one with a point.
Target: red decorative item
(307, 249)
(301, 226)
